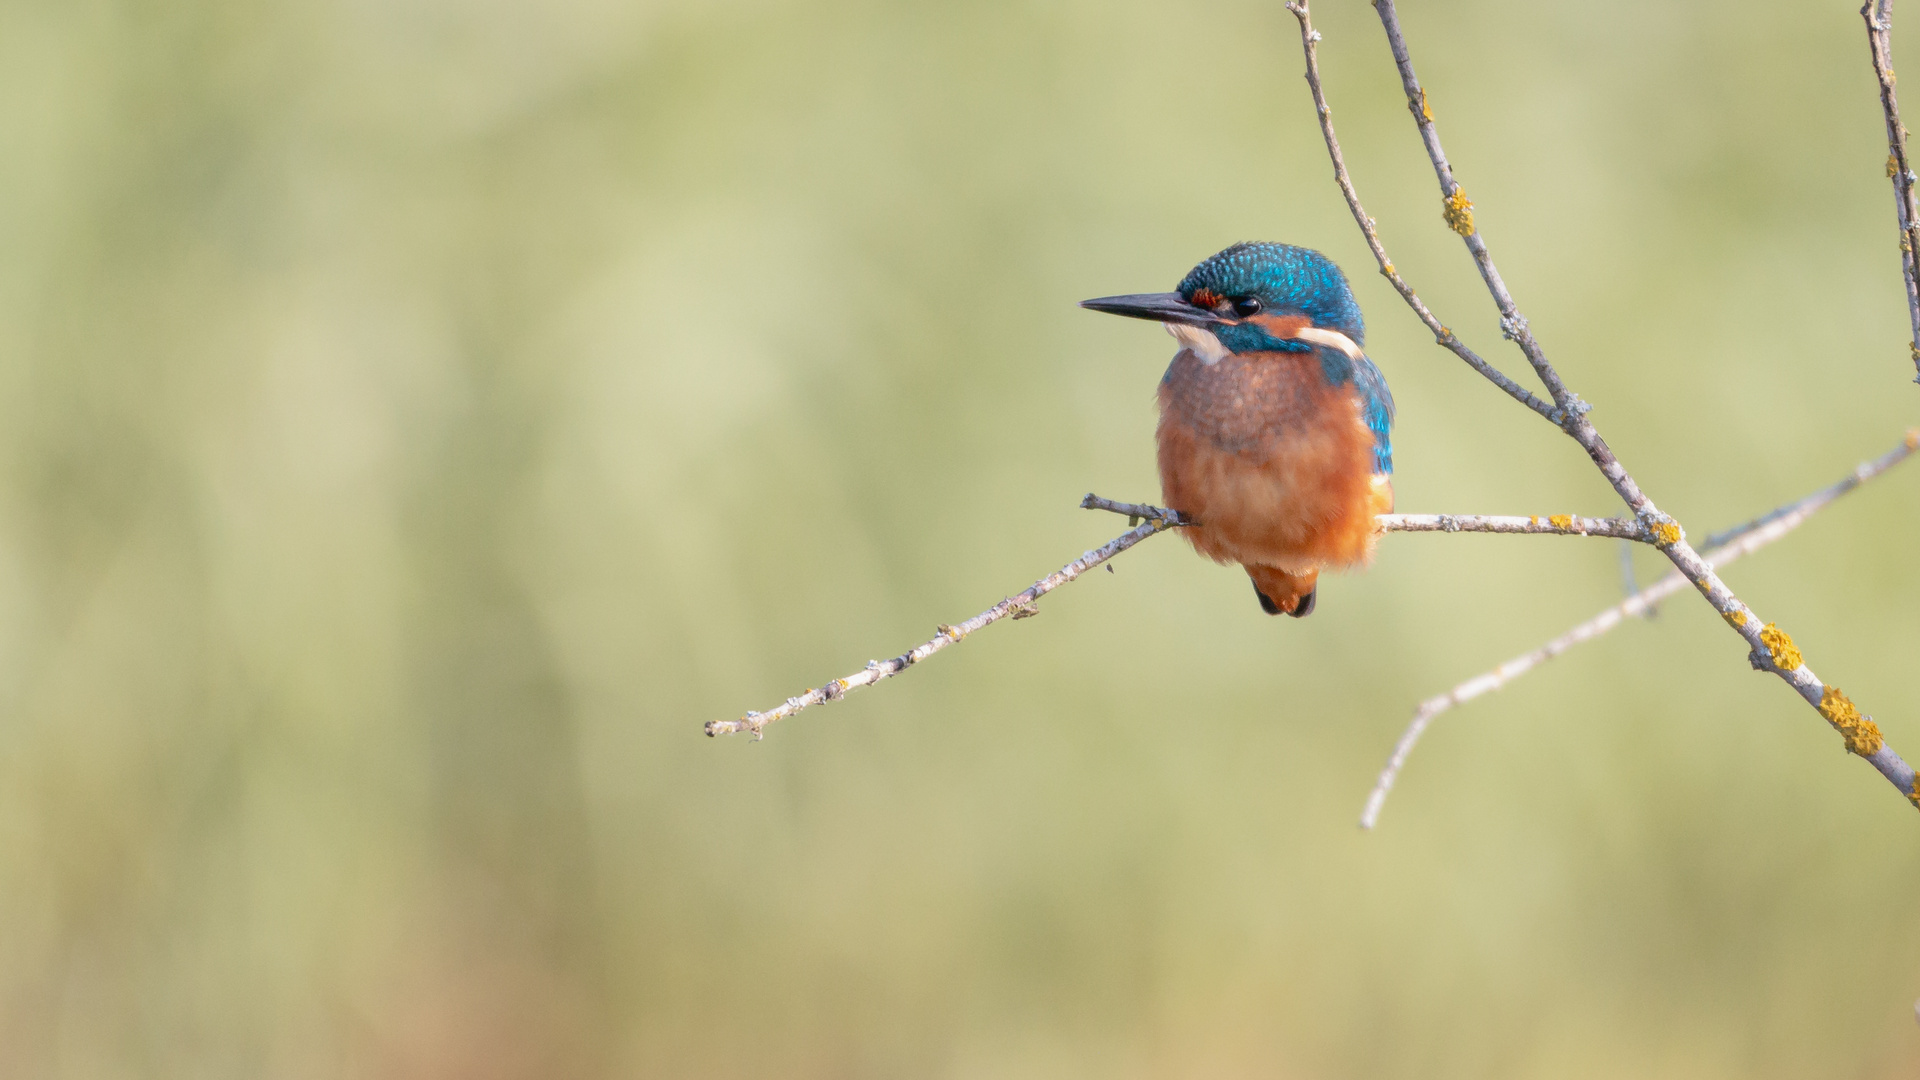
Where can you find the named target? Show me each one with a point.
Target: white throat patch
(1202, 343)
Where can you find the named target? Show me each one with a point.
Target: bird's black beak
(1168, 307)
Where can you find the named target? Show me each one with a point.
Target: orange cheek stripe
(1281, 326)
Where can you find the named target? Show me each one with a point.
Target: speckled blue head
(1283, 280)
(1252, 298)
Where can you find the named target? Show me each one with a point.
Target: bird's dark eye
(1246, 306)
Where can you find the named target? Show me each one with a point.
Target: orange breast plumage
(1274, 462)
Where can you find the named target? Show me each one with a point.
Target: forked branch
(1770, 649)
(1722, 548)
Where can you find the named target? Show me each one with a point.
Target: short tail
(1282, 593)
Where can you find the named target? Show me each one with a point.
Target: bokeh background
(417, 417)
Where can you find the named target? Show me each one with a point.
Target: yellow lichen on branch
(1665, 533)
(1860, 732)
(1735, 618)
(1780, 648)
(1561, 521)
(1459, 212)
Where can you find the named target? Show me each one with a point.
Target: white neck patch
(1200, 342)
(1331, 338)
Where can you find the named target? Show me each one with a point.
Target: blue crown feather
(1296, 280)
(1284, 279)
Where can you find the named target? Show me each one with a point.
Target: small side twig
(1136, 511)
(1879, 18)
(1730, 545)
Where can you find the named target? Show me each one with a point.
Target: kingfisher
(1275, 429)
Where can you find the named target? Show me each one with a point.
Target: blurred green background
(420, 416)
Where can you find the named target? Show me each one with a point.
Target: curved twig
(1729, 545)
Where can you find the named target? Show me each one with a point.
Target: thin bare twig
(1309, 37)
(1879, 19)
(1770, 648)
(1741, 540)
(1018, 607)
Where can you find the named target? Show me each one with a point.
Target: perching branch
(1551, 525)
(1771, 649)
(1722, 548)
(1899, 166)
(1154, 519)
(1018, 607)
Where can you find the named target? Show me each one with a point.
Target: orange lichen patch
(1784, 653)
(1735, 618)
(1459, 212)
(1860, 732)
(1665, 533)
(1426, 113)
(1387, 269)
(1561, 521)
(1913, 434)
(1892, 166)
(1913, 796)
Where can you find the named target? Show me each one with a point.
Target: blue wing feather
(1377, 407)
(1376, 401)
